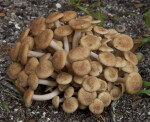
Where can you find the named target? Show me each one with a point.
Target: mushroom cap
(69, 92)
(115, 93)
(133, 83)
(111, 74)
(44, 57)
(28, 40)
(14, 52)
(93, 22)
(44, 39)
(62, 87)
(23, 34)
(86, 97)
(106, 58)
(105, 97)
(63, 78)
(129, 68)
(63, 31)
(53, 17)
(91, 42)
(120, 62)
(110, 86)
(82, 107)
(131, 57)
(85, 18)
(91, 84)
(103, 85)
(31, 65)
(79, 79)
(81, 67)
(55, 101)
(18, 87)
(28, 97)
(100, 30)
(37, 26)
(96, 68)
(123, 42)
(33, 81)
(79, 24)
(97, 106)
(22, 79)
(78, 53)
(59, 59)
(14, 69)
(104, 47)
(68, 15)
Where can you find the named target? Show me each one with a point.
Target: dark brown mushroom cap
(37, 26)
(24, 34)
(68, 15)
(28, 40)
(18, 87)
(28, 97)
(131, 57)
(54, 17)
(85, 17)
(44, 39)
(129, 67)
(22, 79)
(14, 69)
(100, 30)
(105, 97)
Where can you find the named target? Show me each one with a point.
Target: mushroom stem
(54, 45)
(94, 55)
(35, 54)
(46, 96)
(76, 38)
(61, 100)
(57, 24)
(47, 82)
(66, 44)
(82, 34)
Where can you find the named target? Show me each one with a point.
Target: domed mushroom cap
(103, 85)
(63, 78)
(44, 39)
(59, 59)
(37, 26)
(68, 15)
(86, 97)
(44, 57)
(28, 40)
(115, 93)
(63, 31)
(120, 62)
(22, 79)
(111, 74)
(54, 17)
(97, 106)
(55, 101)
(91, 42)
(33, 81)
(85, 18)
(14, 69)
(28, 97)
(79, 79)
(131, 57)
(133, 83)
(78, 53)
(129, 67)
(81, 67)
(69, 92)
(100, 30)
(105, 97)
(23, 34)
(91, 84)
(106, 58)
(123, 42)
(70, 105)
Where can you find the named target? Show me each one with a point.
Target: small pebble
(58, 5)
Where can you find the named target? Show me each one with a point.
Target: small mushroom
(105, 97)
(131, 57)
(79, 79)
(28, 40)
(68, 15)
(56, 101)
(129, 67)
(103, 85)
(68, 92)
(24, 34)
(62, 88)
(81, 106)
(18, 87)
(110, 86)
(22, 79)
(100, 30)
(115, 93)
(120, 62)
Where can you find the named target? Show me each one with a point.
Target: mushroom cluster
(81, 64)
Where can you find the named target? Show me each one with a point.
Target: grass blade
(147, 92)
(146, 84)
(5, 106)
(144, 41)
(147, 18)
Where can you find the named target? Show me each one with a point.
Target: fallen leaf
(2, 14)
(136, 41)
(139, 5)
(135, 104)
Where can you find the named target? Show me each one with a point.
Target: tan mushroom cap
(91, 84)
(22, 79)
(63, 31)
(14, 69)
(24, 34)
(28, 97)
(64, 78)
(81, 67)
(54, 17)
(105, 97)
(33, 81)
(79, 24)
(129, 68)
(106, 58)
(18, 87)
(68, 15)
(28, 40)
(70, 105)
(44, 39)
(14, 52)
(78, 53)
(86, 97)
(104, 47)
(85, 18)
(133, 83)
(96, 68)
(31, 65)
(82, 107)
(111, 74)
(44, 57)
(63, 87)
(94, 22)
(131, 57)
(55, 101)
(59, 59)
(123, 42)
(120, 62)
(115, 93)
(112, 33)
(91, 42)
(110, 86)
(79, 79)
(69, 92)
(103, 85)
(97, 106)
(37, 26)
(100, 30)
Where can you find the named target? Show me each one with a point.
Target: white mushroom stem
(82, 34)
(66, 44)
(47, 82)
(61, 100)
(54, 75)
(55, 46)
(57, 24)
(46, 96)
(94, 55)
(35, 54)
(76, 38)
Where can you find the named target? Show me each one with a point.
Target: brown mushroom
(120, 62)
(56, 101)
(105, 98)
(103, 85)
(69, 92)
(28, 40)
(22, 79)
(18, 87)
(68, 15)
(100, 30)
(24, 34)
(129, 67)
(131, 57)
(85, 17)
(115, 93)
(79, 79)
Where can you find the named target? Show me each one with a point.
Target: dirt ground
(18, 15)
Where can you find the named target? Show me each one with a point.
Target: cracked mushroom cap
(81, 67)
(97, 106)
(85, 18)
(105, 97)
(120, 62)
(69, 92)
(103, 85)
(28, 40)
(111, 74)
(22, 79)
(106, 58)
(64, 78)
(86, 97)
(44, 39)
(24, 34)
(14, 69)
(18, 87)
(115, 93)
(90, 41)
(129, 67)
(133, 83)
(91, 84)
(79, 79)
(59, 59)
(28, 97)
(123, 42)
(70, 105)
(78, 53)
(131, 57)
(55, 101)
(100, 30)
(33, 81)
(68, 15)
